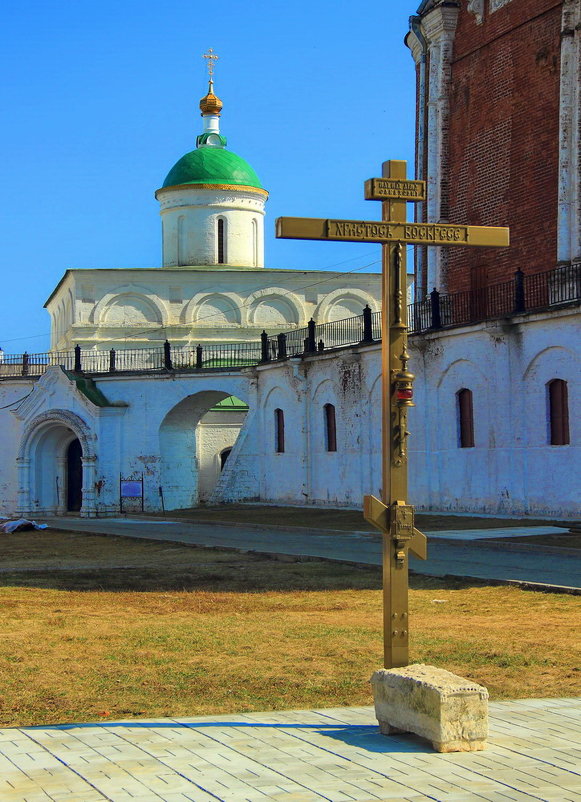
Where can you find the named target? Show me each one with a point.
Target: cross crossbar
(386, 232)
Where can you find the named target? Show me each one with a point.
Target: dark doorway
(223, 457)
(74, 476)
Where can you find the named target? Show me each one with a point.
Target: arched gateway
(56, 466)
(193, 439)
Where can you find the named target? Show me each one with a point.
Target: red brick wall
(503, 145)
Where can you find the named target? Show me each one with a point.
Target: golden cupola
(210, 103)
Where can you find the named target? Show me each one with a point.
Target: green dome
(209, 165)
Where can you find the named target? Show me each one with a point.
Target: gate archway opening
(56, 466)
(194, 436)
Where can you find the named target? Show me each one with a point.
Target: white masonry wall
(216, 432)
(513, 470)
(507, 364)
(149, 429)
(133, 308)
(190, 220)
(152, 426)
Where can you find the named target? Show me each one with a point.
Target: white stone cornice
(415, 46)
(189, 198)
(440, 23)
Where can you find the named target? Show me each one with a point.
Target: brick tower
(498, 134)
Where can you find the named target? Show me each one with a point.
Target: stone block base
(449, 711)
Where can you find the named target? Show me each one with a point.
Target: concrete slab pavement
(333, 755)
(445, 558)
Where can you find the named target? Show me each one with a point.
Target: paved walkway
(467, 558)
(304, 756)
(506, 532)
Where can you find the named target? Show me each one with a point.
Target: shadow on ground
(363, 736)
(257, 576)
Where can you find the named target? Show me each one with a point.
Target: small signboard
(130, 489)
(395, 189)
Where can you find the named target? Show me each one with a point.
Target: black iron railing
(536, 292)
(523, 294)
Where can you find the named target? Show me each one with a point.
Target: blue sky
(100, 99)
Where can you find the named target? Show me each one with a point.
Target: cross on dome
(210, 104)
(210, 57)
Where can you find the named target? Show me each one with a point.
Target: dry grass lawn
(189, 631)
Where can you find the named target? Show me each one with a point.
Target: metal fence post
(78, 367)
(367, 325)
(167, 356)
(199, 351)
(311, 341)
(519, 291)
(25, 363)
(112, 356)
(281, 346)
(264, 355)
(435, 309)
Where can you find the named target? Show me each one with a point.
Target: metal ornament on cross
(392, 515)
(211, 59)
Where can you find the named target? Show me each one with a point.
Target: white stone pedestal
(449, 711)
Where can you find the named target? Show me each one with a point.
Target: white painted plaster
(190, 220)
(211, 123)
(162, 432)
(343, 303)
(216, 432)
(137, 308)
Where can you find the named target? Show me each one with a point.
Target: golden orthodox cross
(393, 516)
(210, 57)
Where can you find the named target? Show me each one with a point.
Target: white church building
(153, 373)
(214, 379)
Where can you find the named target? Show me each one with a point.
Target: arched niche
(274, 308)
(341, 304)
(216, 310)
(129, 310)
(273, 311)
(213, 308)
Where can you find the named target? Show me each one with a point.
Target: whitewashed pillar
(89, 506)
(23, 502)
(61, 501)
(439, 28)
(569, 198)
